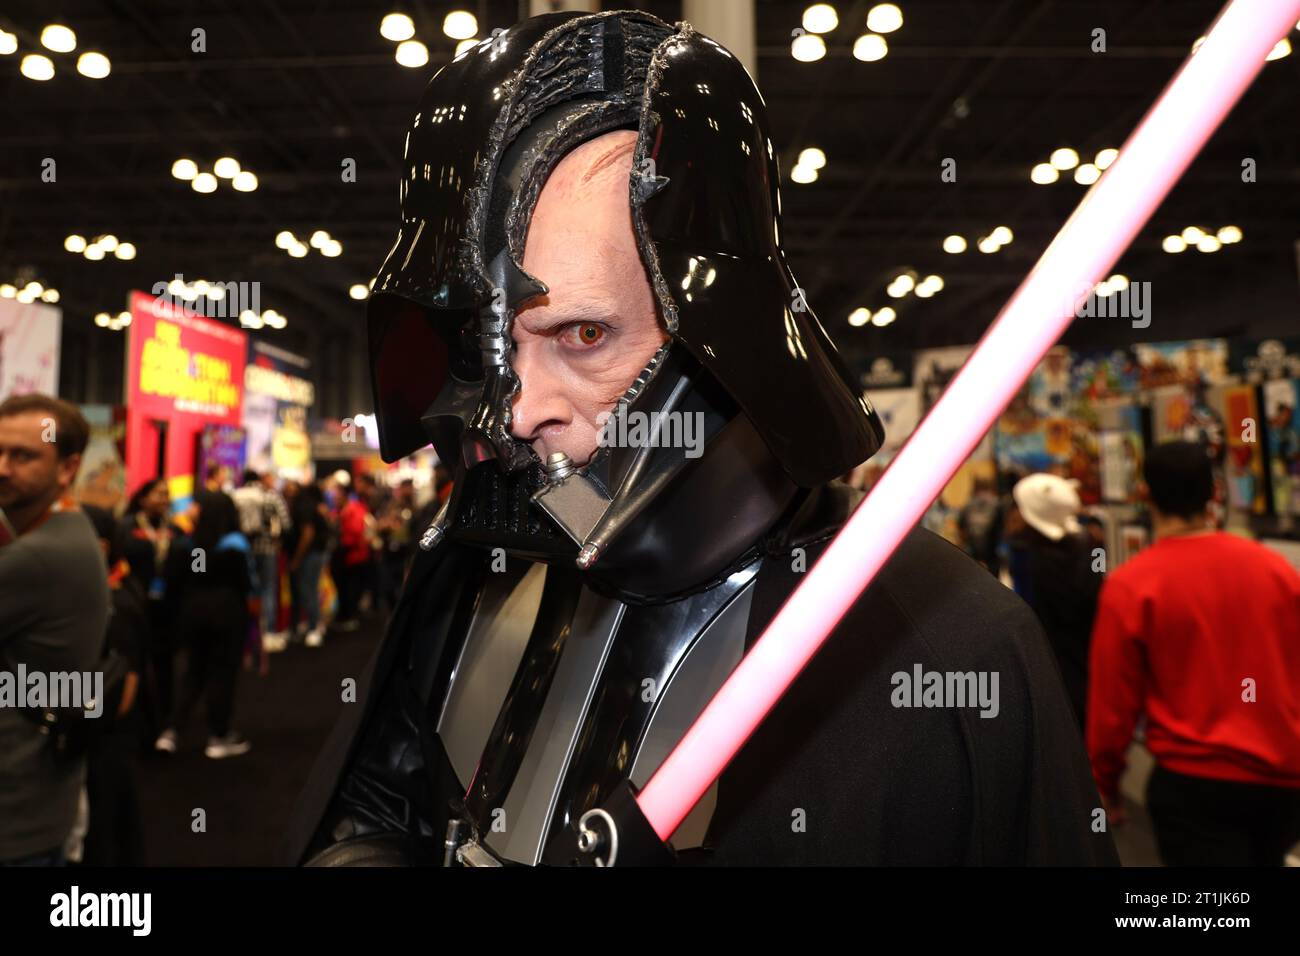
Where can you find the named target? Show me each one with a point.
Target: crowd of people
(1194, 644)
(169, 604)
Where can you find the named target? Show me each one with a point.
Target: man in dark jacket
(598, 330)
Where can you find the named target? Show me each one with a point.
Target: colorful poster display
(277, 399)
(183, 372)
(1282, 412)
(1182, 363)
(1244, 461)
(101, 481)
(30, 336)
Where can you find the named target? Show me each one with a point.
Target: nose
(541, 408)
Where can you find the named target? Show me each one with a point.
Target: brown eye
(589, 333)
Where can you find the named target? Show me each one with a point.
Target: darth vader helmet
(745, 354)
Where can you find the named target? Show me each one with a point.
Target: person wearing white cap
(1063, 586)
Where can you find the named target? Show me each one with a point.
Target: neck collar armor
(746, 356)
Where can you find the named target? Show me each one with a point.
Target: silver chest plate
(559, 693)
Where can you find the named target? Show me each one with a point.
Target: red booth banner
(183, 372)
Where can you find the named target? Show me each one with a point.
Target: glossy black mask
(745, 350)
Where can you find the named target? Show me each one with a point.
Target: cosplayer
(589, 313)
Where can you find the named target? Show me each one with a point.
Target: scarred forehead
(581, 242)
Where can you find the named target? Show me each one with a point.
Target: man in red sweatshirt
(1201, 634)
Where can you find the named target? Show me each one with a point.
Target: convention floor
(286, 714)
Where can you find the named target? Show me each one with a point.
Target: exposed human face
(581, 346)
(32, 475)
(157, 501)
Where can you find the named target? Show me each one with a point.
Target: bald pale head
(579, 347)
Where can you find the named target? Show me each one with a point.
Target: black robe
(836, 774)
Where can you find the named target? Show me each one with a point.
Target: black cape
(836, 774)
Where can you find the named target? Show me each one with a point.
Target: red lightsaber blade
(1112, 213)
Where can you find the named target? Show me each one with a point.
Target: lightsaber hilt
(617, 833)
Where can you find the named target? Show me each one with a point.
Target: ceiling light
(107, 243)
(7, 291)
(870, 47)
(1087, 174)
(176, 287)
(34, 287)
(36, 67)
(1209, 244)
(50, 295)
(298, 250)
(8, 43)
(954, 244)
(184, 169)
(94, 252)
(204, 183)
(227, 167)
(75, 243)
(123, 319)
(102, 319)
(465, 45)
(808, 48)
(244, 181)
(988, 244)
(26, 296)
(1044, 174)
(934, 282)
(859, 317)
(803, 175)
(358, 291)
(1193, 234)
(1064, 158)
(1001, 235)
(332, 249)
(884, 18)
(1118, 282)
(1281, 49)
(1173, 244)
(318, 239)
(812, 157)
(460, 24)
(396, 27)
(883, 317)
(58, 38)
(904, 282)
(1105, 157)
(412, 54)
(250, 319)
(1229, 234)
(93, 65)
(284, 240)
(820, 18)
